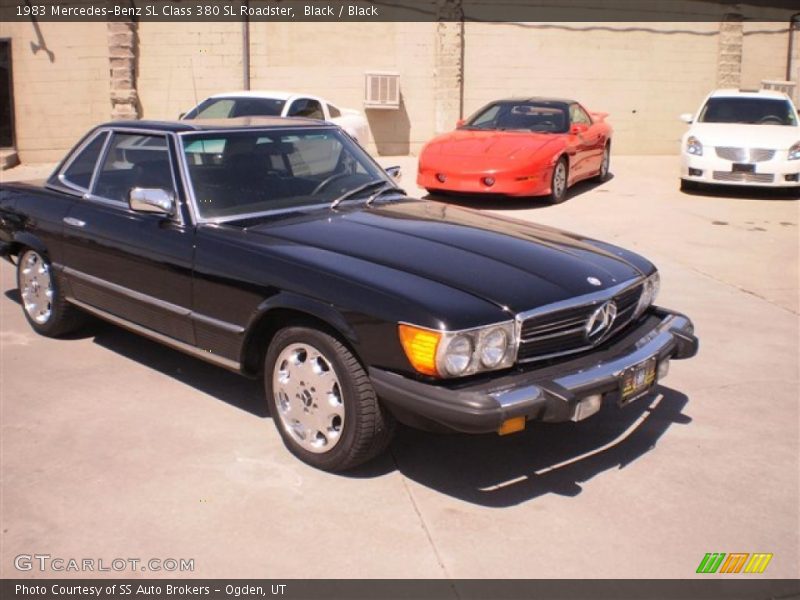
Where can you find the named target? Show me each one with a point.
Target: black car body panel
(222, 287)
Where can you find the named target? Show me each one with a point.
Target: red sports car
(519, 147)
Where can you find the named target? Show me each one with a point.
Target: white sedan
(281, 104)
(742, 138)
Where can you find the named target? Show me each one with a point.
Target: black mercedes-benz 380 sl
(279, 249)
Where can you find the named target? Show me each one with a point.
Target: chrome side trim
(205, 355)
(175, 309)
(123, 291)
(224, 325)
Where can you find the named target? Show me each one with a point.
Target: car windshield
(549, 117)
(228, 108)
(254, 171)
(751, 111)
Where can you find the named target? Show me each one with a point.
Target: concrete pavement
(115, 447)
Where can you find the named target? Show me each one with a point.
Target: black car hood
(513, 264)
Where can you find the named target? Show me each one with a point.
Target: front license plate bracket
(637, 381)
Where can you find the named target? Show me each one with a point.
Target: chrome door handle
(74, 222)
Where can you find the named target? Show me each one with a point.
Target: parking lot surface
(116, 447)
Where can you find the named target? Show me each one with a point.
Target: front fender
(25, 238)
(261, 324)
(315, 308)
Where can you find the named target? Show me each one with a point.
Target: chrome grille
(761, 154)
(562, 331)
(745, 154)
(744, 177)
(734, 154)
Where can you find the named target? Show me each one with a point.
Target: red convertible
(519, 147)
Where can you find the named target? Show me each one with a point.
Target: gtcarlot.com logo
(735, 562)
(46, 562)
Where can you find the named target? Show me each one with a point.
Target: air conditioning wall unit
(382, 90)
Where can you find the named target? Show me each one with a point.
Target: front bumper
(780, 172)
(551, 393)
(472, 182)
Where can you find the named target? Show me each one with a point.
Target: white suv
(742, 138)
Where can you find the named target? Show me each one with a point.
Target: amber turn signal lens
(512, 426)
(420, 346)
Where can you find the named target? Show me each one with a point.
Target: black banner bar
(179, 11)
(714, 587)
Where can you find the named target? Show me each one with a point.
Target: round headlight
(493, 348)
(458, 355)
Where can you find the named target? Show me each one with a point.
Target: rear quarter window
(80, 170)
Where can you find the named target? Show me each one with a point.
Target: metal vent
(382, 90)
(744, 177)
(745, 154)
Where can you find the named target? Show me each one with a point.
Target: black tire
(366, 428)
(35, 278)
(605, 165)
(558, 188)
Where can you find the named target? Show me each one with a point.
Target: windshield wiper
(387, 187)
(349, 194)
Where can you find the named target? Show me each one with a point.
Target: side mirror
(687, 118)
(578, 128)
(395, 172)
(151, 200)
(180, 116)
(460, 123)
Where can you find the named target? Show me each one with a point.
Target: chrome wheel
(309, 398)
(560, 179)
(36, 287)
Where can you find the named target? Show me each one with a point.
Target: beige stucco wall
(331, 59)
(180, 65)
(764, 53)
(57, 101)
(643, 74)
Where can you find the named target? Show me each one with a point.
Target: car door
(590, 142)
(137, 266)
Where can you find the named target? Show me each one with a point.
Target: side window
(487, 117)
(214, 109)
(79, 172)
(134, 160)
(305, 107)
(333, 111)
(578, 115)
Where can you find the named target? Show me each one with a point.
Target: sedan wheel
(322, 401)
(309, 397)
(558, 182)
(602, 175)
(36, 287)
(43, 304)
